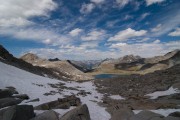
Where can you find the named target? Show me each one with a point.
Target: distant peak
(29, 56)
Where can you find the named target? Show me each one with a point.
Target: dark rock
(79, 113)
(2, 111)
(146, 115)
(5, 93)
(4, 102)
(48, 115)
(19, 112)
(122, 114)
(171, 118)
(22, 96)
(12, 89)
(175, 114)
(63, 103)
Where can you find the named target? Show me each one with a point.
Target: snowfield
(35, 86)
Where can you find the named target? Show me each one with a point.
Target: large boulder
(48, 115)
(122, 114)
(4, 102)
(146, 115)
(79, 113)
(19, 112)
(61, 103)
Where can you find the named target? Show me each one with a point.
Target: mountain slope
(36, 86)
(135, 64)
(64, 67)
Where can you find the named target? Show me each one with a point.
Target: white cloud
(175, 33)
(126, 34)
(118, 45)
(157, 28)
(157, 41)
(87, 8)
(97, 1)
(94, 35)
(150, 2)
(75, 32)
(14, 22)
(115, 51)
(35, 34)
(12, 11)
(122, 3)
(146, 49)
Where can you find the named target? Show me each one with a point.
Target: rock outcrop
(79, 113)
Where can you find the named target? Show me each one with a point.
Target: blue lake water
(105, 76)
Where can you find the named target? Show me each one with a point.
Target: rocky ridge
(63, 66)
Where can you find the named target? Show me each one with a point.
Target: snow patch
(164, 112)
(116, 97)
(157, 94)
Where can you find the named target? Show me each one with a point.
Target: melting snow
(157, 94)
(116, 97)
(35, 86)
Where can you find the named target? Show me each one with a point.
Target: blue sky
(90, 29)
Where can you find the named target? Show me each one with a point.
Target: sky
(90, 29)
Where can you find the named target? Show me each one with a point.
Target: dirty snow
(35, 86)
(164, 112)
(157, 94)
(116, 97)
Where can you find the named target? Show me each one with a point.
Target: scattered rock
(63, 103)
(4, 102)
(171, 118)
(48, 115)
(79, 113)
(19, 112)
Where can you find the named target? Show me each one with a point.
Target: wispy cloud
(94, 35)
(175, 33)
(87, 8)
(126, 34)
(150, 2)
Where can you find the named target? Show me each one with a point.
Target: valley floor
(103, 94)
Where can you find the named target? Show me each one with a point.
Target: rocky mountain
(136, 64)
(63, 66)
(8, 58)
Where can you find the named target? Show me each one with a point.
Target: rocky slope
(64, 67)
(135, 64)
(154, 91)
